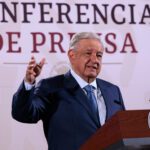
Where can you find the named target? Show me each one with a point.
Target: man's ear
(71, 54)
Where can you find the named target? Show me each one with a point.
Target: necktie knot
(89, 88)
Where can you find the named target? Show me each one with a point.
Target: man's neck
(81, 81)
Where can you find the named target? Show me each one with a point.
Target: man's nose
(94, 58)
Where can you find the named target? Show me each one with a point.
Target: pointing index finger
(41, 63)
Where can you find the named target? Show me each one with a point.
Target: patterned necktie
(92, 99)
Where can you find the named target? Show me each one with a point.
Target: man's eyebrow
(100, 52)
(90, 50)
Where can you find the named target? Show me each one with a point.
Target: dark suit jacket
(62, 105)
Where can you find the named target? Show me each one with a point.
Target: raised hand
(33, 70)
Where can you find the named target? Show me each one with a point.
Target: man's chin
(92, 75)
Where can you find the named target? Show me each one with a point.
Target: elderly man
(74, 105)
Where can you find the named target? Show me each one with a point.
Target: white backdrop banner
(44, 28)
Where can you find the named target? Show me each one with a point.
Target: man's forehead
(91, 49)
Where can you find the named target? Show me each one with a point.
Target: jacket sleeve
(30, 106)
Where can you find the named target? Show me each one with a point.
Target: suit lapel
(74, 89)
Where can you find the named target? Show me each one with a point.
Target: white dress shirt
(97, 91)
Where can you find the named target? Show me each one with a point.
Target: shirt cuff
(28, 86)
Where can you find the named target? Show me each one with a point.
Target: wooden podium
(126, 130)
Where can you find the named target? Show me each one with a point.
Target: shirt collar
(82, 82)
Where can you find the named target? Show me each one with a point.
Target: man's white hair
(83, 35)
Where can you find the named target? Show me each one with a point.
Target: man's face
(86, 59)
